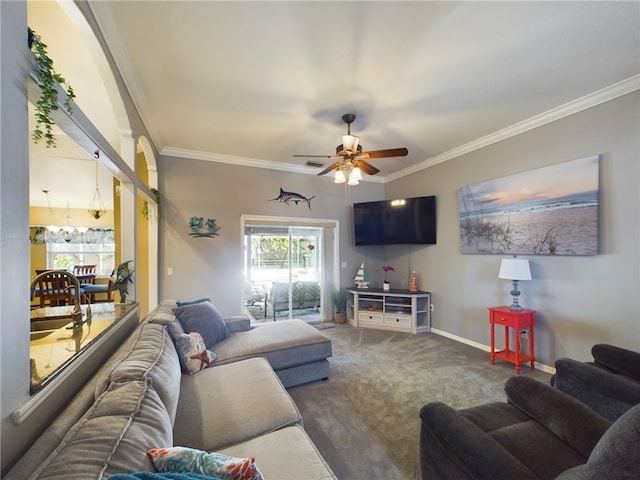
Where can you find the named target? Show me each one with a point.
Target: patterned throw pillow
(161, 476)
(183, 459)
(192, 352)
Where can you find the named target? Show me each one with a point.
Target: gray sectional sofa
(141, 400)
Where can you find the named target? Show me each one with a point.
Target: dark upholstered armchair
(539, 433)
(610, 385)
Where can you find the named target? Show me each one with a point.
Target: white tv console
(399, 310)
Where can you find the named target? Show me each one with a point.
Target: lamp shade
(350, 143)
(515, 269)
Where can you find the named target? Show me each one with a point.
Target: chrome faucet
(76, 314)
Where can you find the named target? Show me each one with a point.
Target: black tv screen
(398, 221)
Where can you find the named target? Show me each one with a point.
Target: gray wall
(580, 300)
(212, 267)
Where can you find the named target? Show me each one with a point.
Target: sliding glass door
(285, 270)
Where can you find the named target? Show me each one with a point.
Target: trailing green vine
(145, 205)
(47, 78)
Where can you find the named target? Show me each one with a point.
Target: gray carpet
(364, 419)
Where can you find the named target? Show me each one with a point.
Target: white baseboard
(486, 348)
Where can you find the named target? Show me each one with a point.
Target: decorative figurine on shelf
(386, 285)
(123, 278)
(361, 278)
(413, 286)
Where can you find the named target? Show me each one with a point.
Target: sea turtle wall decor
(200, 228)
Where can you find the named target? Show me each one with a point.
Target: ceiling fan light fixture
(350, 143)
(356, 174)
(353, 181)
(339, 177)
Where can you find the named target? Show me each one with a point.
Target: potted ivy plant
(47, 78)
(340, 297)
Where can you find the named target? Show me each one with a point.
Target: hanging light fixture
(96, 207)
(67, 229)
(52, 228)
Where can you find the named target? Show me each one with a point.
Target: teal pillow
(193, 302)
(205, 319)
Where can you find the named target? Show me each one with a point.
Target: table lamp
(515, 269)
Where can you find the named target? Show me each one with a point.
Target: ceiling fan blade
(330, 167)
(391, 152)
(367, 167)
(318, 156)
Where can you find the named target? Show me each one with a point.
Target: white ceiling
(257, 82)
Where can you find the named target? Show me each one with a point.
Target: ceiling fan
(352, 160)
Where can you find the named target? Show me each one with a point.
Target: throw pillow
(192, 353)
(193, 302)
(205, 319)
(161, 476)
(183, 459)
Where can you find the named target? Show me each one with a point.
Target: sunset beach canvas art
(548, 211)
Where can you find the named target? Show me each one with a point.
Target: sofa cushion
(247, 398)
(191, 460)
(205, 319)
(115, 434)
(152, 356)
(285, 454)
(163, 314)
(284, 344)
(192, 353)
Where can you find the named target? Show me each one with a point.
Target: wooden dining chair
(85, 273)
(55, 288)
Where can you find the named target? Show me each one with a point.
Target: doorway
(289, 268)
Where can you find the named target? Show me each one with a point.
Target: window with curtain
(64, 249)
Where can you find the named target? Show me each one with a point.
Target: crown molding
(248, 162)
(583, 103)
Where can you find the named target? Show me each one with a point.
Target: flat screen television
(394, 222)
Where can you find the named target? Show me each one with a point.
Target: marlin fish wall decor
(286, 197)
(200, 228)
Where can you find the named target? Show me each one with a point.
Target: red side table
(516, 320)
